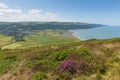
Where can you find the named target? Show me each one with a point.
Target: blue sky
(91, 11)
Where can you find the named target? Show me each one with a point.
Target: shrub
(30, 64)
(39, 76)
(85, 54)
(2, 56)
(98, 76)
(5, 64)
(80, 55)
(69, 65)
(61, 55)
(116, 58)
(48, 62)
(73, 66)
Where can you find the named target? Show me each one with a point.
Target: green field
(42, 38)
(51, 37)
(11, 46)
(4, 40)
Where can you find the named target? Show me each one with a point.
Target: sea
(104, 32)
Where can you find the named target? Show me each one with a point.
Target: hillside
(49, 51)
(59, 40)
(84, 60)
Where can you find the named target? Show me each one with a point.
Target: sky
(90, 11)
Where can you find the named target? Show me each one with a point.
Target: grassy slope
(102, 56)
(4, 40)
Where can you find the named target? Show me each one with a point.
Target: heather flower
(69, 65)
(73, 66)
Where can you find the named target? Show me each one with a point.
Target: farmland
(42, 38)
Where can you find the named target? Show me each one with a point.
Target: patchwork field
(41, 38)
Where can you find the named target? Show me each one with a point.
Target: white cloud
(3, 6)
(34, 11)
(13, 15)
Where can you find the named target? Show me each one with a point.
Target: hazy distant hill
(44, 25)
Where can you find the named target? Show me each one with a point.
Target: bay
(105, 32)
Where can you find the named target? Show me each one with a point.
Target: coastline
(97, 33)
(73, 35)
